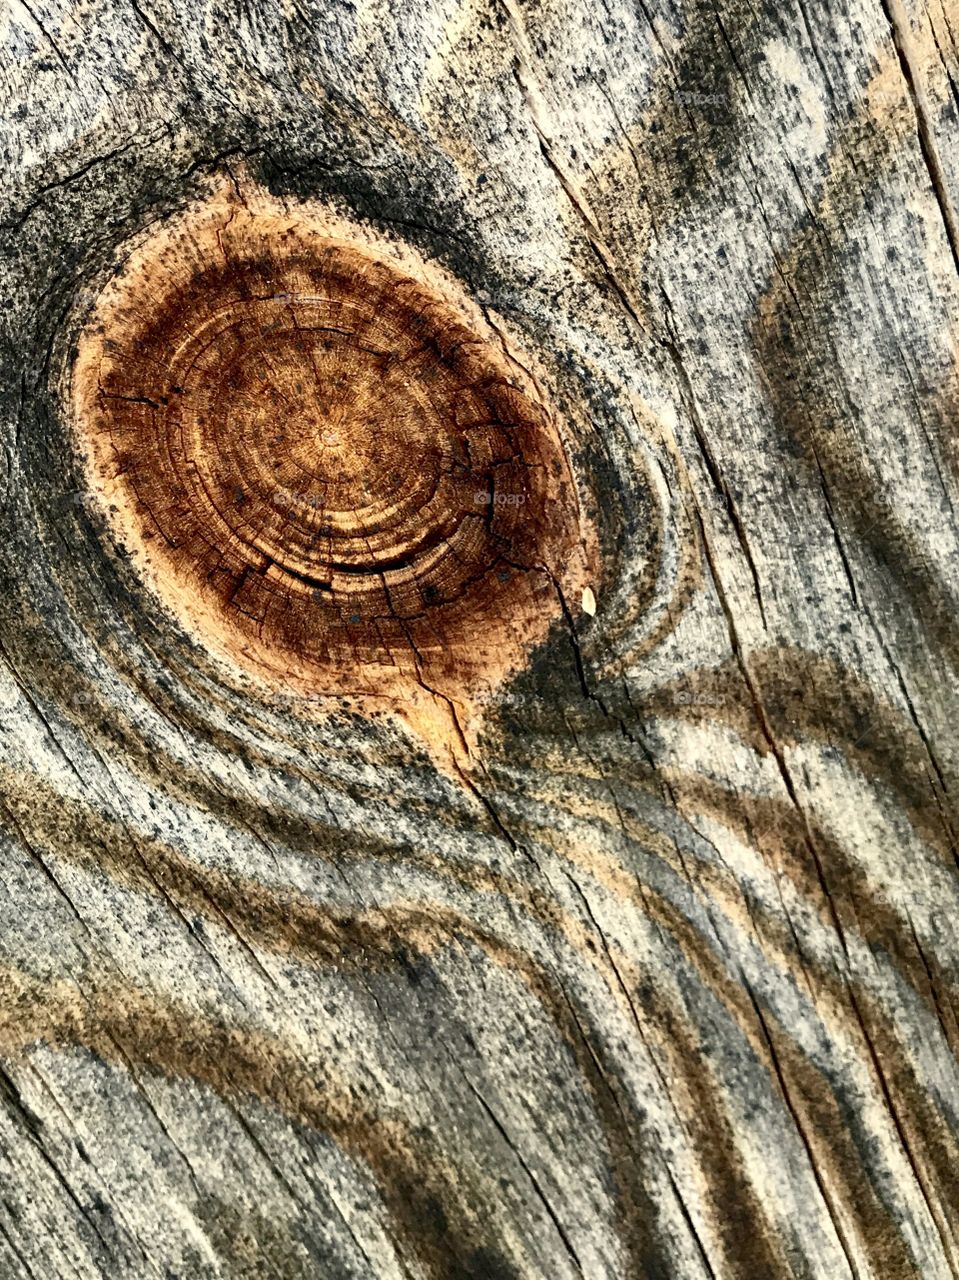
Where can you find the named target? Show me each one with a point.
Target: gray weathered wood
(664, 984)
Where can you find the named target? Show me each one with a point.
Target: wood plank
(651, 972)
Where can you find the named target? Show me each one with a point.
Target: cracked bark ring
(322, 456)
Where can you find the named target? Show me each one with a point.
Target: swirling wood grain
(642, 963)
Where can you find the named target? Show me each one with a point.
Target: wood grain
(652, 973)
(318, 460)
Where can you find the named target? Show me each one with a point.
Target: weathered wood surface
(664, 985)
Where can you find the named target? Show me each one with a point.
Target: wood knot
(323, 457)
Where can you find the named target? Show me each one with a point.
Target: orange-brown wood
(325, 460)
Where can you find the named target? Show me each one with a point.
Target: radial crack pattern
(322, 456)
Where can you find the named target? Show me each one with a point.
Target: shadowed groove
(303, 930)
(137, 1030)
(127, 1026)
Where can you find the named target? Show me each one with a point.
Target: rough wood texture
(659, 980)
(328, 462)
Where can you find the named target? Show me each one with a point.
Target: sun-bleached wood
(653, 973)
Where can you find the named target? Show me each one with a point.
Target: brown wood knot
(324, 458)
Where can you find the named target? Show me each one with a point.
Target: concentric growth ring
(321, 456)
